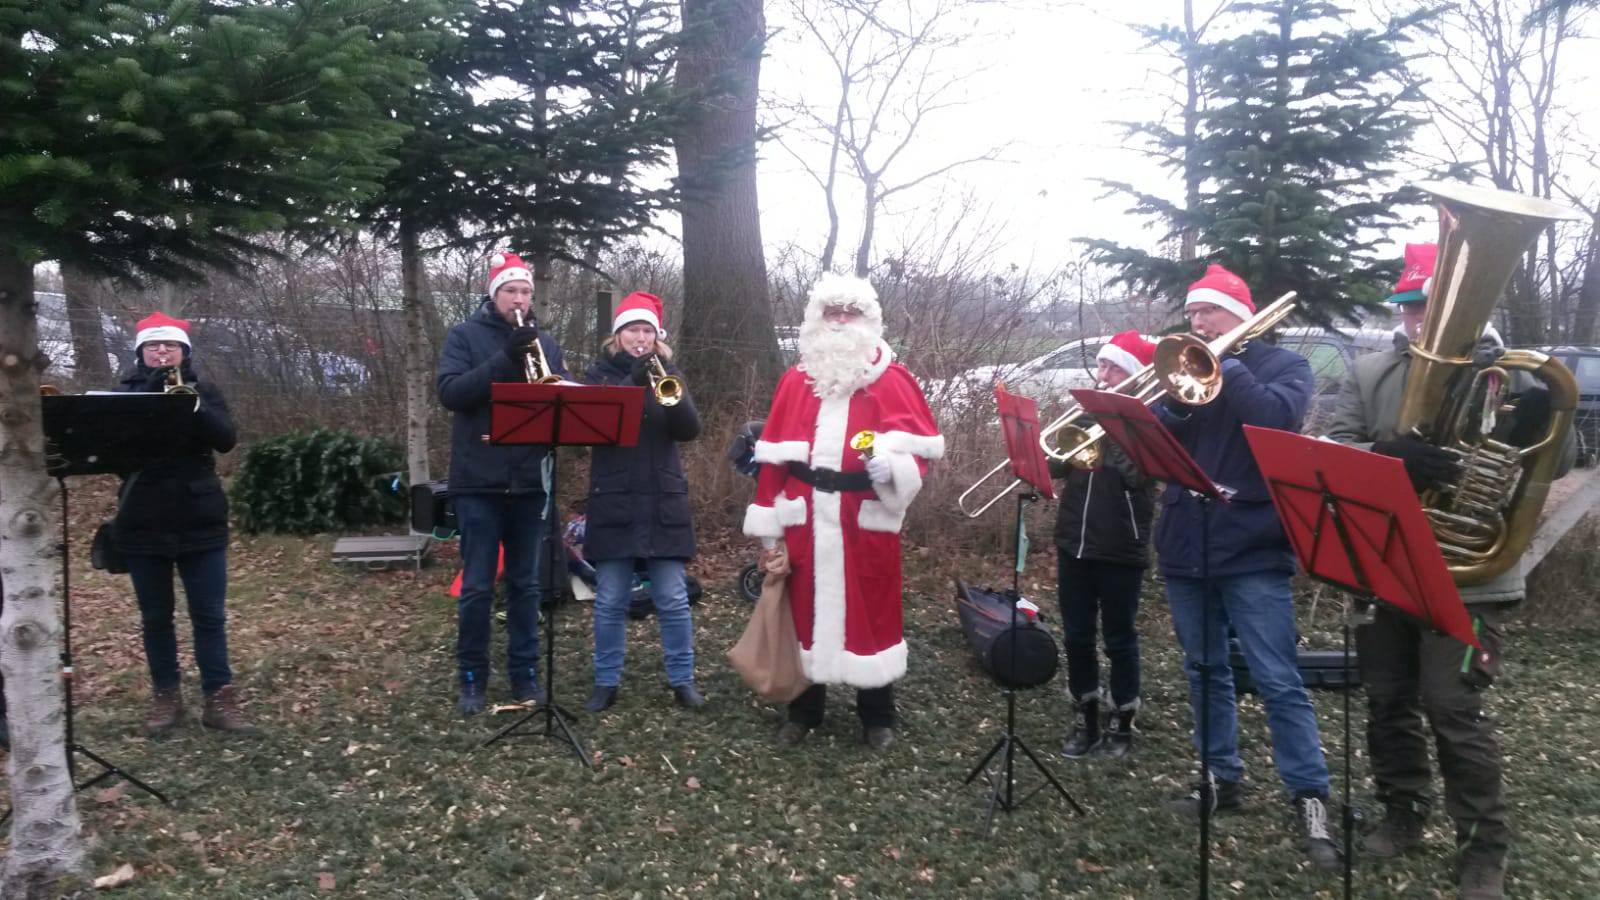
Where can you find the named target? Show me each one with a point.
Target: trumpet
(668, 388)
(535, 368)
(1186, 368)
(176, 385)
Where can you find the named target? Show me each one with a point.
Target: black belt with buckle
(830, 480)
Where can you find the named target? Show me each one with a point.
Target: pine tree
(149, 138)
(1301, 125)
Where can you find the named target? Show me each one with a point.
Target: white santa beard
(838, 358)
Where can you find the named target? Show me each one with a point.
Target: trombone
(668, 388)
(535, 368)
(1186, 368)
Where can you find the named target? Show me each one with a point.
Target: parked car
(1046, 378)
(1585, 365)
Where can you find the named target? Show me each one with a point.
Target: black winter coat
(638, 498)
(1104, 514)
(177, 506)
(474, 358)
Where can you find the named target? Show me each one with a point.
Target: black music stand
(1019, 421)
(103, 434)
(559, 415)
(1158, 454)
(1355, 522)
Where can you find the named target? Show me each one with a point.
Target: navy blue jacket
(638, 498)
(474, 358)
(176, 506)
(1262, 385)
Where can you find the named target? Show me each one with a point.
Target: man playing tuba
(1409, 671)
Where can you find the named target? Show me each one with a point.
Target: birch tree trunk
(46, 840)
(419, 356)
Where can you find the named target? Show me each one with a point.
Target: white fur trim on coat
(775, 452)
(904, 482)
(927, 446)
(876, 515)
(1217, 298)
(770, 521)
(842, 667)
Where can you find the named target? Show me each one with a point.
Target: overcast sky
(1051, 79)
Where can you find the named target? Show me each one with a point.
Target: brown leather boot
(166, 711)
(222, 713)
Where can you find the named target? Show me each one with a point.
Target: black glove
(1428, 466)
(155, 381)
(1532, 417)
(640, 373)
(520, 344)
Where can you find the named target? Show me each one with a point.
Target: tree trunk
(728, 346)
(46, 840)
(90, 367)
(869, 225)
(1588, 313)
(419, 355)
(1189, 241)
(544, 304)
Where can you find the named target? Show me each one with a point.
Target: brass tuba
(1486, 517)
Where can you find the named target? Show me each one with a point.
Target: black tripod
(557, 721)
(108, 769)
(1002, 781)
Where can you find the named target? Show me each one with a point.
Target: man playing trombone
(1230, 565)
(498, 491)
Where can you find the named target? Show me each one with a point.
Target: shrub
(323, 480)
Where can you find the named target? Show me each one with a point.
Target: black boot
(1119, 731)
(1085, 735)
(601, 699)
(687, 697)
(1316, 837)
(1398, 833)
(471, 700)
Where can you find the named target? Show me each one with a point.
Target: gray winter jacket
(1367, 410)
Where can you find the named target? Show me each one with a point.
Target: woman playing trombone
(638, 508)
(1102, 542)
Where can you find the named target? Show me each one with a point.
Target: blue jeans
(205, 586)
(614, 590)
(1259, 607)
(486, 521)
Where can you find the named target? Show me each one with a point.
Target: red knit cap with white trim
(506, 266)
(1128, 351)
(1222, 288)
(161, 327)
(639, 307)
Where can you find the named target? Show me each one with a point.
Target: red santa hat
(1417, 274)
(506, 266)
(1128, 351)
(835, 290)
(1219, 287)
(161, 327)
(639, 307)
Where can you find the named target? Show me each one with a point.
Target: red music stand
(1019, 422)
(1159, 455)
(1354, 522)
(559, 415)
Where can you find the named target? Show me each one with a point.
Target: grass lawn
(368, 784)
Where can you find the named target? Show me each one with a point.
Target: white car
(1046, 378)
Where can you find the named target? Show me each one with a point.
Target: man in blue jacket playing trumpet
(1229, 565)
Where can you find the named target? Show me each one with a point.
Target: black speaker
(430, 507)
(1020, 656)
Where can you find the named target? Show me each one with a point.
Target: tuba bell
(1485, 518)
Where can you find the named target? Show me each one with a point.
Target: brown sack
(767, 655)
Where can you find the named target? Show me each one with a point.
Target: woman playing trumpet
(638, 512)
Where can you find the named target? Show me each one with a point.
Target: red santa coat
(844, 548)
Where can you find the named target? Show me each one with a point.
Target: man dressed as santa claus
(843, 453)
